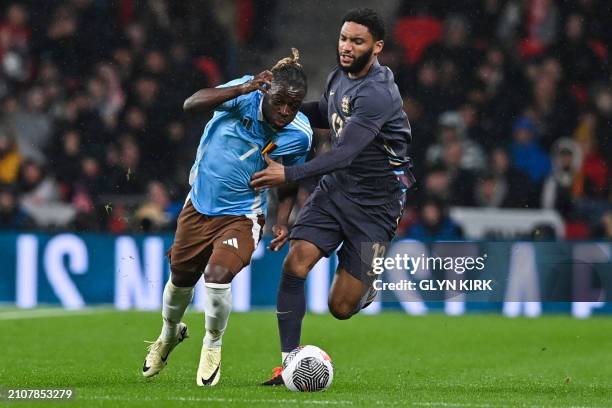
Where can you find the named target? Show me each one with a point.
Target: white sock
(176, 301)
(217, 307)
(283, 356)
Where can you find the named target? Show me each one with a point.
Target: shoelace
(154, 346)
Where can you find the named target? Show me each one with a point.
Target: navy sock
(290, 310)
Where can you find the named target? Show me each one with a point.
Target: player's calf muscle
(341, 309)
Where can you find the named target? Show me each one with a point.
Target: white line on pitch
(283, 401)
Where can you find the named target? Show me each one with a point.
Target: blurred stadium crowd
(510, 104)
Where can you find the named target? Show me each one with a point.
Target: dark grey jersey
(372, 102)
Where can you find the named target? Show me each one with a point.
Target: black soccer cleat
(277, 377)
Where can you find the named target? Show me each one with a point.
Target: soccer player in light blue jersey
(221, 222)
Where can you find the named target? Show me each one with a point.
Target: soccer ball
(308, 368)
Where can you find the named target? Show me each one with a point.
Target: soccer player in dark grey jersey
(359, 200)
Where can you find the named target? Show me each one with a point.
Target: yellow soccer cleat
(159, 351)
(209, 370)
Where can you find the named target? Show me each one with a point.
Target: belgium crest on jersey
(346, 105)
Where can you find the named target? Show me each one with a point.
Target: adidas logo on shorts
(231, 242)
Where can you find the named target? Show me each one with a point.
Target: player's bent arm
(337, 158)
(207, 99)
(286, 200)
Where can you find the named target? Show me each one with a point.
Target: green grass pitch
(385, 360)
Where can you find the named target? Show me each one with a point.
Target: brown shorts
(198, 235)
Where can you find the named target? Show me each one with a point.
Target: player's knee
(183, 279)
(215, 273)
(293, 266)
(341, 310)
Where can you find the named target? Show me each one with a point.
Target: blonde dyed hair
(288, 70)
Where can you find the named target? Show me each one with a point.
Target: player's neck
(364, 71)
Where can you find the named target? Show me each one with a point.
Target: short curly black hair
(369, 18)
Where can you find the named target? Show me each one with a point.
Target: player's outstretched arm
(208, 99)
(337, 158)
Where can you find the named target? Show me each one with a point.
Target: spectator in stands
(426, 90)
(490, 192)
(602, 100)
(434, 223)
(593, 178)
(106, 95)
(11, 214)
(526, 153)
(474, 133)
(90, 180)
(62, 44)
(437, 181)
(452, 129)
(67, 157)
(126, 174)
(40, 197)
(575, 53)
(33, 125)
(454, 46)
(558, 188)
(85, 193)
(177, 150)
(124, 60)
(462, 181)
(514, 182)
(37, 187)
(15, 37)
(10, 158)
(538, 21)
(158, 213)
(118, 221)
(553, 109)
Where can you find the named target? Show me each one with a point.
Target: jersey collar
(260, 110)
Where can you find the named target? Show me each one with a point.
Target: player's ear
(378, 47)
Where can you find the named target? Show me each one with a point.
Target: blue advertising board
(129, 272)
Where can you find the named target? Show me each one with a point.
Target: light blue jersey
(230, 152)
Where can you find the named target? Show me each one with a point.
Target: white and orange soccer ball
(308, 368)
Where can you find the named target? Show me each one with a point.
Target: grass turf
(385, 360)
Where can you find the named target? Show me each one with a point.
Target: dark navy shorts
(329, 219)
